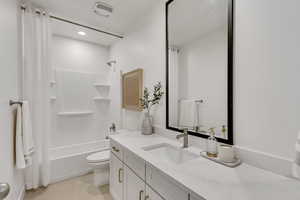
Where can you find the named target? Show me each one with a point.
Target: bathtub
(70, 161)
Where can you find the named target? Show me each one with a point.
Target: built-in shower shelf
(53, 82)
(101, 85)
(53, 98)
(101, 99)
(88, 112)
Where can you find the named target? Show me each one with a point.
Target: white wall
(89, 58)
(266, 71)
(76, 55)
(203, 63)
(9, 65)
(143, 47)
(267, 46)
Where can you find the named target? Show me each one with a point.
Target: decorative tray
(234, 164)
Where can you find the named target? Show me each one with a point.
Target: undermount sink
(170, 153)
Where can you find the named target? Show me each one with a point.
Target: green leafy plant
(148, 100)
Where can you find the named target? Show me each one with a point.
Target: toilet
(99, 161)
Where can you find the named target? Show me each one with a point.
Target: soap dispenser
(212, 144)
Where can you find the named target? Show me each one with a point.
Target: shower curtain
(35, 89)
(173, 82)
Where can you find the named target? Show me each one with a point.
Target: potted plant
(147, 102)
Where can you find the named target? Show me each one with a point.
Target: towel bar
(11, 102)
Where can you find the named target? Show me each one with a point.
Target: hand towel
(187, 113)
(27, 130)
(20, 159)
(296, 165)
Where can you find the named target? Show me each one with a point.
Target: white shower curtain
(173, 89)
(35, 74)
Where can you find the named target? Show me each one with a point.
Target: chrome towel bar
(11, 102)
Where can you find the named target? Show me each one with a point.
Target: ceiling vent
(103, 9)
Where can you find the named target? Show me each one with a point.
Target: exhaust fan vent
(103, 9)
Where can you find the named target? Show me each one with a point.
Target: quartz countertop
(209, 180)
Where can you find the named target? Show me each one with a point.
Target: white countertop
(210, 180)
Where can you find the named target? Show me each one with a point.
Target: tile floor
(80, 188)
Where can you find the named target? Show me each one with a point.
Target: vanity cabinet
(131, 178)
(116, 149)
(135, 163)
(195, 198)
(151, 195)
(163, 185)
(116, 177)
(134, 187)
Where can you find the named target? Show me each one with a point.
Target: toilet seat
(99, 157)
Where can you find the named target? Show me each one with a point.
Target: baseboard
(21, 194)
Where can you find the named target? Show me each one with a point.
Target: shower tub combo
(70, 161)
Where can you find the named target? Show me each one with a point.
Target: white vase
(147, 127)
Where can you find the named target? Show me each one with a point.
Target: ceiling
(192, 19)
(125, 13)
(71, 31)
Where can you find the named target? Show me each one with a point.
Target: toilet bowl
(100, 163)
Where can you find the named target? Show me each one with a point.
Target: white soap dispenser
(212, 144)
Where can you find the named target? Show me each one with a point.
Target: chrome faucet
(112, 128)
(185, 136)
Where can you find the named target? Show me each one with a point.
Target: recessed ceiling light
(81, 33)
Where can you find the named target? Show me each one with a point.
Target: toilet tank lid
(99, 156)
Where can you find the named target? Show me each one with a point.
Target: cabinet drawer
(151, 195)
(134, 187)
(116, 178)
(194, 197)
(164, 186)
(134, 162)
(116, 149)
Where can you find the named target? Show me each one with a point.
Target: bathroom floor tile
(80, 188)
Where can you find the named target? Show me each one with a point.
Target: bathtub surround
(265, 73)
(81, 85)
(74, 59)
(36, 65)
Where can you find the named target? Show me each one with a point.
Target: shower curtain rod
(75, 23)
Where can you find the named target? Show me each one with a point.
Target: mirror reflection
(198, 66)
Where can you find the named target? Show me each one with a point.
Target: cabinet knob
(141, 194)
(115, 149)
(147, 197)
(120, 170)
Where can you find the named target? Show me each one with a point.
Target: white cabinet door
(164, 185)
(135, 163)
(116, 177)
(151, 195)
(134, 187)
(192, 197)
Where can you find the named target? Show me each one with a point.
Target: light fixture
(103, 9)
(81, 33)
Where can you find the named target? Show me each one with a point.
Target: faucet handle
(184, 129)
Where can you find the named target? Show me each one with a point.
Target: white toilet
(100, 163)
